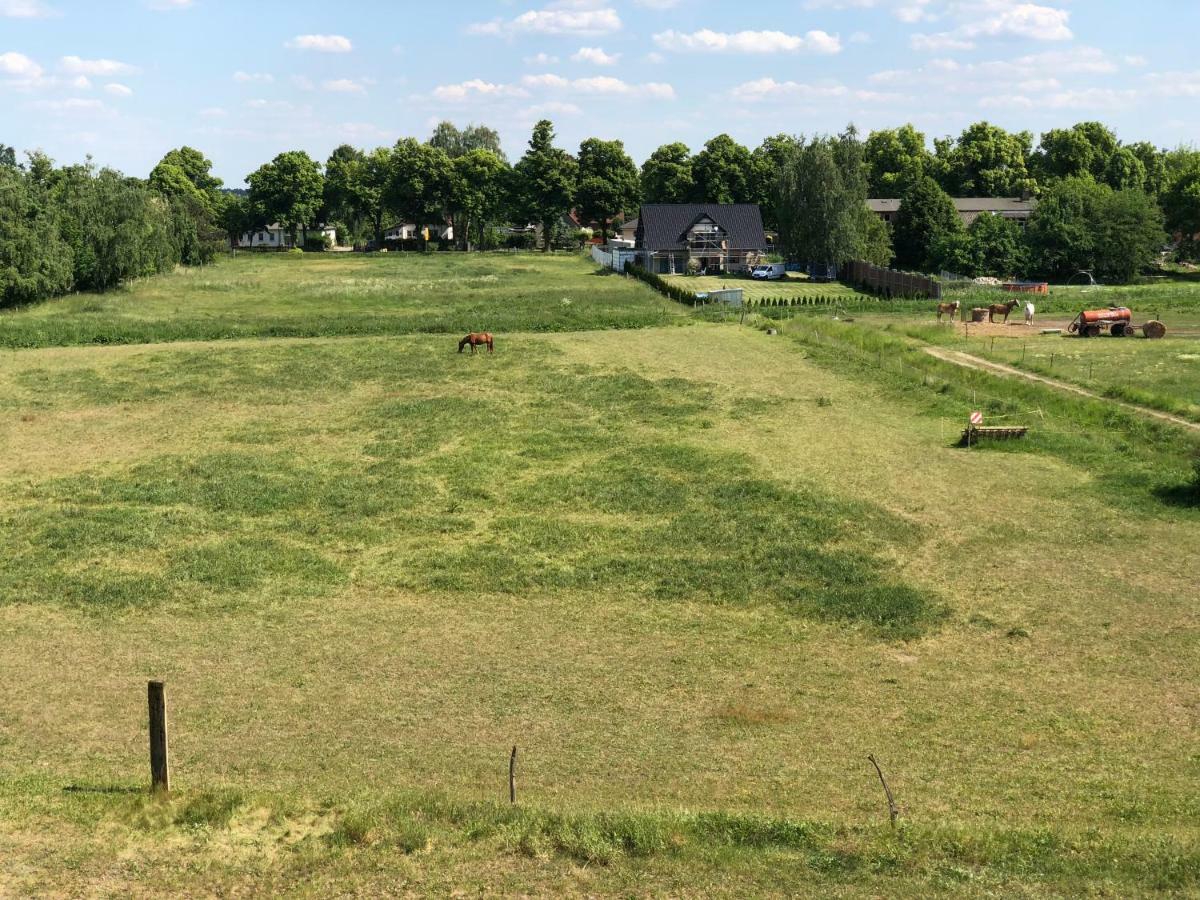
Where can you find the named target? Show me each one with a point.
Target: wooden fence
(889, 282)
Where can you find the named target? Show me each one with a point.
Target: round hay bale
(1154, 330)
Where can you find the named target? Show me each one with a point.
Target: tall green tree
(290, 190)
(8, 157)
(766, 162)
(456, 142)
(1083, 225)
(986, 161)
(35, 262)
(926, 217)
(1181, 200)
(667, 175)
(822, 212)
(420, 183)
(543, 182)
(895, 158)
(723, 172)
(477, 194)
(991, 245)
(344, 171)
(607, 184)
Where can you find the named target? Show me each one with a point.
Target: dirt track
(967, 361)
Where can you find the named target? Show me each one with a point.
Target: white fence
(616, 258)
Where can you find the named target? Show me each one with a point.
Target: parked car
(768, 271)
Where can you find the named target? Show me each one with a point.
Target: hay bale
(1154, 330)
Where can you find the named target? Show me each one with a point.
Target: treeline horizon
(1104, 205)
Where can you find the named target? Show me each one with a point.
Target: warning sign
(977, 418)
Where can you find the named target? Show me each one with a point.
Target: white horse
(1030, 309)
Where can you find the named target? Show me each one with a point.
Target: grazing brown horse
(1002, 309)
(950, 309)
(483, 338)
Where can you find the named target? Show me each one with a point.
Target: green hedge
(660, 284)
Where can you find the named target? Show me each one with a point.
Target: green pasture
(792, 287)
(696, 581)
(696, 575)
(1159, 374)
(330, 294)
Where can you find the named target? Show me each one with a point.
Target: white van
(768, 271)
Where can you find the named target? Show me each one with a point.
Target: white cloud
(169, 5)
(344, 86)
(322, 43)
(25, 9)
(247, 77)
(577, 17)
(998, 19)
(1021, 20)
(1136, 61)
(118, 90)
(213, 112)
(81, 83)
(769, 89)
(550, 108)
(466, 90)
(600, 84)
(596, 56)
(936, 43)
(707, 41)
(104, 68)
(18, 65)
(541, 59)
(658, 4)
(1174, 84)
(72, 106)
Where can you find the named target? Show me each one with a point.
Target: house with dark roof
(720, 237)
(969, 208)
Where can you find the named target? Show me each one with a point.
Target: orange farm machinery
(1116, 320)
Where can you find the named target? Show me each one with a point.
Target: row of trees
(459, 177)
(1103, 204)
(83, 228)
(1080, 224)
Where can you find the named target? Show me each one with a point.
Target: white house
(409, 232)
(275, 237)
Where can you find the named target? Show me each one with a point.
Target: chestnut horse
(1002, 309)
(950, 309)
(476, 340)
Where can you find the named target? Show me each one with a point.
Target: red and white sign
(976, 418)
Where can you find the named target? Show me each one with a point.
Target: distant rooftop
(967, 205)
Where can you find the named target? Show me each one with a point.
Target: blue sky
(126, 80)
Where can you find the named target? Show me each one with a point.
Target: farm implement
(1116, 320)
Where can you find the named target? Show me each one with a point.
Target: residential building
(719, 237)
(969, 208)
(278, 237)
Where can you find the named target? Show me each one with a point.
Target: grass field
(279, 295)
(792, 286)
(697, 575)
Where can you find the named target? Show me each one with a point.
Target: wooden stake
(893, 811)
(160, 775)
(512, 776)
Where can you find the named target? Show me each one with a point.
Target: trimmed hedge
(664, 287)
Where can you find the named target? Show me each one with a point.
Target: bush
(520, 241)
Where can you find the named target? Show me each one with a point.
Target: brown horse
(483, 338)
(950, 309)
(1002, 309)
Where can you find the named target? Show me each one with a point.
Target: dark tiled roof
(664, 226)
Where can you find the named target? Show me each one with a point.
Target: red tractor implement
(1116, 320)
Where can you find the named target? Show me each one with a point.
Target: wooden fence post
(512, 776)
(160, 774)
